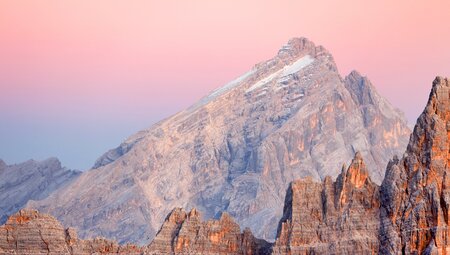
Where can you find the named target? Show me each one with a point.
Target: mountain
(237, 150)
(415, 194)
(34, 180)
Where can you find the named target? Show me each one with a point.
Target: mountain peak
(361, 87)
(301, 46)
(431, 133)
(194, 213)
(438, 102)
(298, 44)
(357, 173)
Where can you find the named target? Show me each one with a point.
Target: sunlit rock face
(186, 233)
(340, 217)
(415, 194)
(31, 232)
(237, 150)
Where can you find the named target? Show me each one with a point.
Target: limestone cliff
(186, 233)
(340, 217)
(415, 194)
(30, 232)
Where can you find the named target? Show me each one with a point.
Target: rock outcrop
(339, 217)
(415, 194)
(31, 180)
(30, 232)
(186, 233)
(237, 150)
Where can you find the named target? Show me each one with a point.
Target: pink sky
(77, 77)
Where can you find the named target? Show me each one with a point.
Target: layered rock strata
(340, 217)
(415, 194)
(30, 232)
(186, 233)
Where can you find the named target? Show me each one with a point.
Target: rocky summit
(237, 150)
(30, 180)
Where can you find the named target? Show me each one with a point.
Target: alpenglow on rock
(415, 194)
(32, 179)
(30, 232)
(237, 150)
(340, 217)
(185, 233)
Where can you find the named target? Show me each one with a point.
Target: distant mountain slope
(237, 150)
(30, 180)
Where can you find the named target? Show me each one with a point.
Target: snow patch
(297, 65)
(286, 71)
(222, 90)
(227, 87)
(263, 82)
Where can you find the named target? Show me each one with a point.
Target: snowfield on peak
(285, 71)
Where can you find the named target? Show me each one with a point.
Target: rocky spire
(415, 194)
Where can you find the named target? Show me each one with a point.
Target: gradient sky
(77, 77)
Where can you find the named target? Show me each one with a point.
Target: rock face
(415, 194)
(185, 233)
(237, 150)
(30, 232)
(339, 217)
(30, 180)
